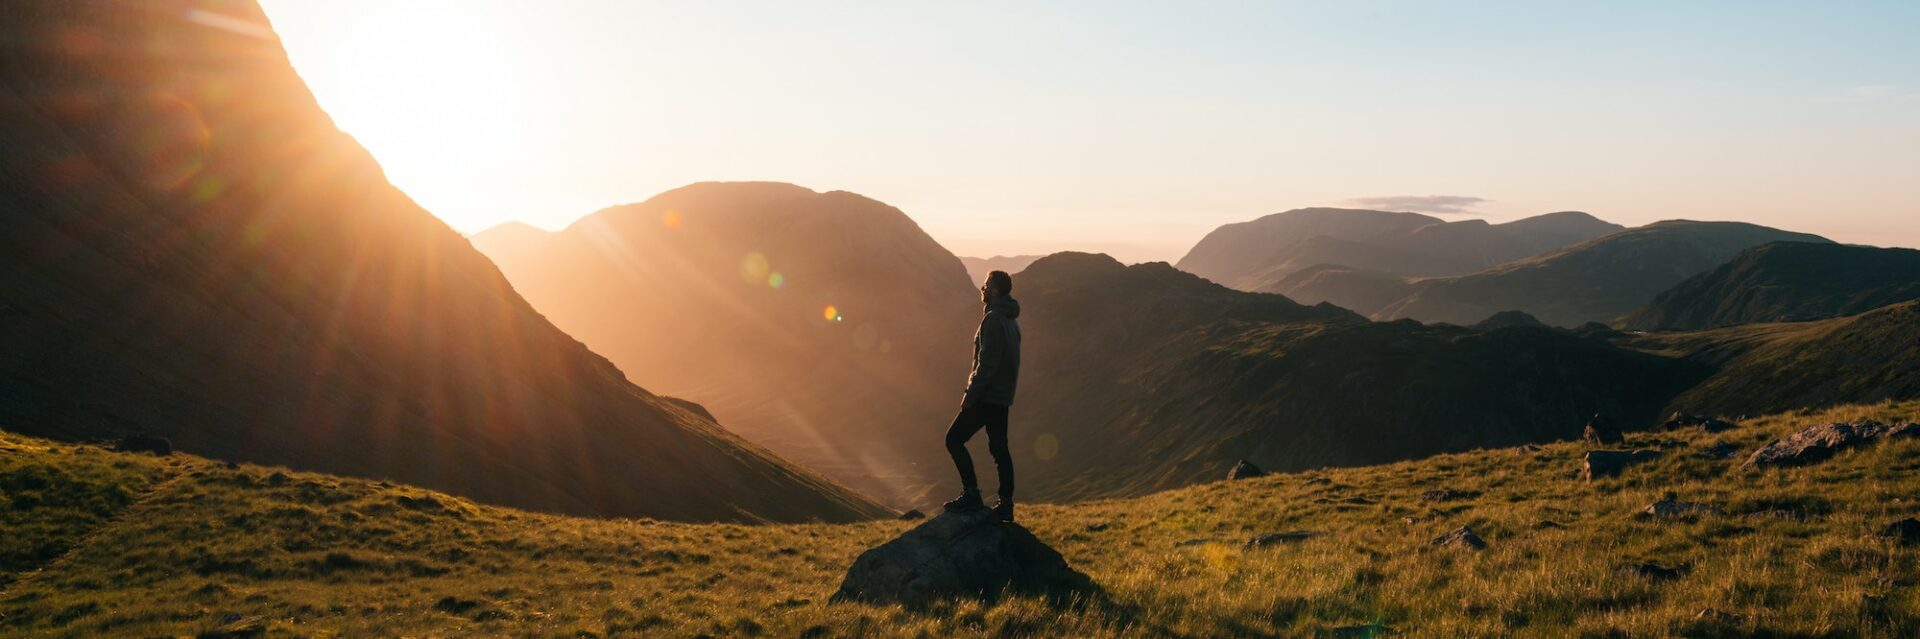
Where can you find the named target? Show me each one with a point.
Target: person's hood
(1005, 305)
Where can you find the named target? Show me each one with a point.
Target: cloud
(1441, 204)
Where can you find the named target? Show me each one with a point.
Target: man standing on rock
(996, 368)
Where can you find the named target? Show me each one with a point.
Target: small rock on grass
(1462, 537)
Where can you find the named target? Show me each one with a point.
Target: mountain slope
(720, 293)
(1782, 553)
(1785, 282)
(194, 250)
(1597, 280)
(1256, 255)
(979, 267)
(1143, 378)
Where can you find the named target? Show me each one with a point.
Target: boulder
(1602, 432)
(141, 443)
(1607, 463)
(1245, 470)
(1685, 420)
(956, 555)
(1275, 539)
(912, 515)
(1462, 537)
(1905, 531)
(1817, 443)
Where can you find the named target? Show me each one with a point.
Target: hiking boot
(967, 502)
(1003, 509)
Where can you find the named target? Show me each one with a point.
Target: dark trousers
(970, 420)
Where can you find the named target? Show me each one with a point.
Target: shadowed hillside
(825, 326)
(1259, 254)
(1144, 377)
(195, 251)
(1794, 552)
(1785, 282)
(1595, 281)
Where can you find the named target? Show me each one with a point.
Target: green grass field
(97, 543)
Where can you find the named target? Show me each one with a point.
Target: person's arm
(993, 339)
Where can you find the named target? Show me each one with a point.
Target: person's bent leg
(964, 426)
(996, 423)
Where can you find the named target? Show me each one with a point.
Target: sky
(1134, 128)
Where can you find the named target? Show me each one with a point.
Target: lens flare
(753, 268)
(670, 219)
(776, 280)
(831, 314)
(1046, 446)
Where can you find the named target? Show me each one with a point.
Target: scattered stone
(1717, 615)
(1447, 494)
(1670, 507)
(143, 443)
(1548, 524)
(1097, 527)
(1684, 420)
(1602, 432)
(1245, 470)
(1657, 572)
(1318, 481)
(1191, 542)
(952, 555)
(1905, 531)
(1358, 500)
(912, 515)
(1526, 448)
(1409, 520)
(1461, 536)
(1818, 443)
(455, 606)
(1275, 539)
(1607, 463)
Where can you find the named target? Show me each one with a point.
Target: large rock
(1461, 537)
(958, 555)
(1602, 432)
(1607, 463)
(1818, 443)
(1245, 470)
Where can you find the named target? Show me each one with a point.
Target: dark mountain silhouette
(1145, 377)
(1594, 281)
(979, 267)
(194, 250)
(1259, 254)
(1785, 282)
(719, 292)
(1759, 368)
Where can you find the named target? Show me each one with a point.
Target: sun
(442, 93)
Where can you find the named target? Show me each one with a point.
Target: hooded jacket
(996, 354)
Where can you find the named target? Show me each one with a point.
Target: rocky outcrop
(1461, 537)
(1684, 420)
(1818, 443)
(1602, 432)
(1671, 507)
(1245, 470)
(1607, 463)
(957, 555)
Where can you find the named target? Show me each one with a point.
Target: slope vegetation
(193, 249)
(1777, 553)
(1785, 282)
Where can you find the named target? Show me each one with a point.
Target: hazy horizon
(1130, 129)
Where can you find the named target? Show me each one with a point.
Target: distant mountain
(979, 267)
(1259, 254)
(1761, 368)
(1785, 282)
(826, 326)
(1359, 290)
(1143, 378)
(1594, 281)
(193, 250)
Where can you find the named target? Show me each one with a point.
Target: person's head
(998, 283)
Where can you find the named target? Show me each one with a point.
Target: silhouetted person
(996, 368)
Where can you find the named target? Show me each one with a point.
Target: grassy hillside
(1785, 282)
(179, 546)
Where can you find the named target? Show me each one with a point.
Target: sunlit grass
(193, 545)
